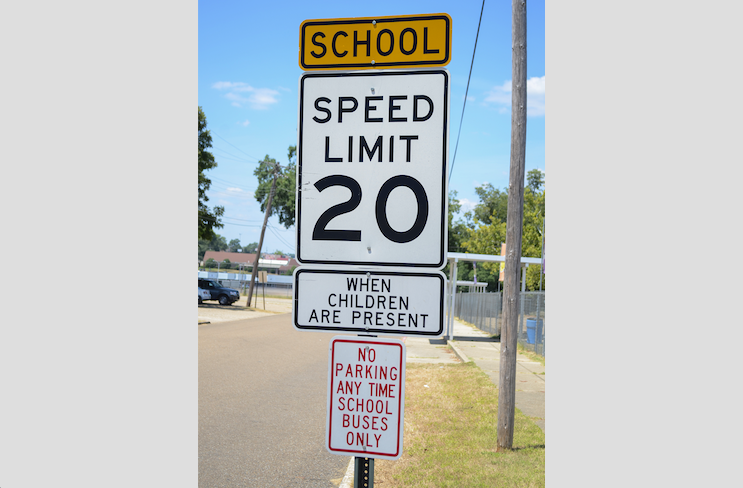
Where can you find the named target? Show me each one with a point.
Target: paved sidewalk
(425, 350)
(471, 344)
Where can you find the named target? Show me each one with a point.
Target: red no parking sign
(366, 397)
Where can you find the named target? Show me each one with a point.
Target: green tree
(210, 263)
(486, 238)
(492, 203)
(489, 228)
(208, 219)
(216, 243)
(458, 229)
(226, 264)
(535, 180)
(234, 245)
(458, 232)
(250, 247)
(203, 247)
(534, 210)
(284, 199)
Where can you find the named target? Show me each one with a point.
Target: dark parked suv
(226, 296)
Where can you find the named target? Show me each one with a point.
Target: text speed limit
(372, 168)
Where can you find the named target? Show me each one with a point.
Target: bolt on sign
(407, 41)
(366, 397)
(372, 168)
(397, 302)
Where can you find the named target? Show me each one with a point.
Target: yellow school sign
(406, 41)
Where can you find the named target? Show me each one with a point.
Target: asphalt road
(262, 406)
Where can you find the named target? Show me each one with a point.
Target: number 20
(321, 233)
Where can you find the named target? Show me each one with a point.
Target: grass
(530, 354)
(450, 435)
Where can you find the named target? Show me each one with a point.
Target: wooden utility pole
(263, 232)
(514, 223)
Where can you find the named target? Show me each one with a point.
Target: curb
(348, 478)
(459, 353)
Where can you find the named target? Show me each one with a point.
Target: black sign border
(370, 330)
(444, 137)
(405, 64)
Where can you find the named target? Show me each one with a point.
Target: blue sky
(248, 89)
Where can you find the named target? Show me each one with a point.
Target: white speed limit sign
(372, 168)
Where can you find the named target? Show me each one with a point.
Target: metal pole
(453, 299)
(363, 473)
(450, 299)
(523, 290)
(449, 304)
(539, 299)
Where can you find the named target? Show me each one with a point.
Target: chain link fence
(485, 311)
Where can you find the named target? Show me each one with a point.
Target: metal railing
(485, 311)
(272, 289)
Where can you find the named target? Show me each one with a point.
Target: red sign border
(401, 400)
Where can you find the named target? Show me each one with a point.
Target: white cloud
(235, 190)
(257, 98)
(535, 91)
(221, 85)
(500, 94)
(236, 99)
(244, 124)
(535, 85)
(466, 204)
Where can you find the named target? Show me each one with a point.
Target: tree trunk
(514, 223)
(260, 242)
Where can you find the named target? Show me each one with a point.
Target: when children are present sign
(369, 302)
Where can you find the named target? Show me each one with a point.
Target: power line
(228, 184)
(221, 180)
(225, 140)
(242, 220)
(231, 157)
(226, 193)
(291, 247)
(240, 225)
(466, 91)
